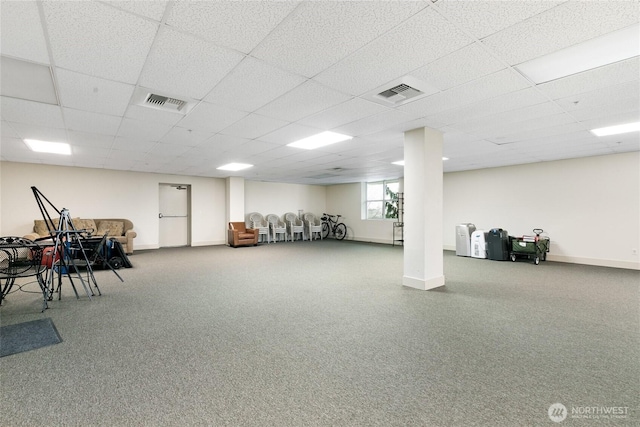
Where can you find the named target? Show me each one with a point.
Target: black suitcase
(498, 244)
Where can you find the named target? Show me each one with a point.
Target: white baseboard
(630, 265)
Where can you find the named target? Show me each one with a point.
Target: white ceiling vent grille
(152, 99)
(401, 91)
(164, 102)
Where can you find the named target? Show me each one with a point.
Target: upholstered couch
(119, 228)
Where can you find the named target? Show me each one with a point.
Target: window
(381, 200)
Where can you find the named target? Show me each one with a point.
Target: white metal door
(174, 215)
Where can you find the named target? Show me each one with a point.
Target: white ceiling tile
(30, 131)
(395, 54)
(375, 123)
(341, 114)
(482, 18)
(210, 118)
(21, 33)
(238, 25)
(183, 65)
(547, 132)
(255, 147)
(86, 121)
(29, 112)
(133, 145)
(7, 131)
(145, 131)
(499, 132)
(318, 34)
(624, 106)
(509, 118)
(570, 23)
(622, 143)
(14, 148)
(255, 101)
(459, 67)
(85, 153)
(252, 84)
(608, 75)
(278, 155)
(509, 101)
(126, 156)
(98, 40)
(565, 140)
(602, 97)
(221, 143)
(146, 114)
(486, 87)
(181, 136)
(93, 94)
(306, 99)
(87, 139)
(290, 133)
(168, 150)
(611, 120)
(153, 9)
(253, 126)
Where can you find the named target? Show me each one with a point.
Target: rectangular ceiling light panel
(616, 130)
(48, 147)
(319, 140)
(607, 49)
(234, 167)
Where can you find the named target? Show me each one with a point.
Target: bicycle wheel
(325, 230)
(341, 231)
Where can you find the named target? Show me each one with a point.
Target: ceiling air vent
(401, 91)
(164, 102)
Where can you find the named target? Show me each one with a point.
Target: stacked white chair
(277, 227)
(258, 222)
(294, 225)
(313, 226)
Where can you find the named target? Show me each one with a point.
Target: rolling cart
(535, 247)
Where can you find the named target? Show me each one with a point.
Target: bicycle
(339, 229)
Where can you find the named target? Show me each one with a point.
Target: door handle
(160, 215)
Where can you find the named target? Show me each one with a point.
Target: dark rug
(27, 336)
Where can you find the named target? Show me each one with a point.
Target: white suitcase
(479, 244)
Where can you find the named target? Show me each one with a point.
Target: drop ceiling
(258, 75)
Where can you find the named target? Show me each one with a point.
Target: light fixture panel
(616, 130)
(48, 147)
(234, 167)
(597, 52)
(319, 140)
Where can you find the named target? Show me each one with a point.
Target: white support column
(235, 198)
(423, 259)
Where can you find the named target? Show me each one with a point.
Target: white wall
(590, 207)
(100, 193)
(346, 200)
(276, 198)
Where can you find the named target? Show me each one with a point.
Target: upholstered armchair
(240, 235)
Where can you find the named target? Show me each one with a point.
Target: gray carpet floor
(324, 334)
